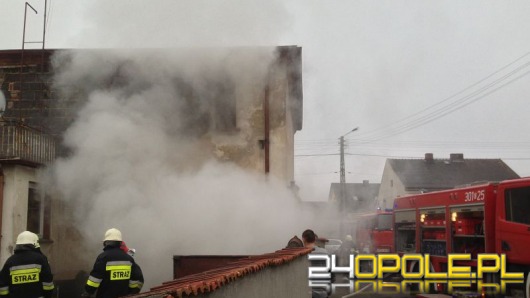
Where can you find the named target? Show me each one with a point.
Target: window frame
(43, 200)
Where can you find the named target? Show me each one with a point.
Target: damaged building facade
(241, 113)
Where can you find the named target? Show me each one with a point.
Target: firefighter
(295, 242)
(345, 250)
(26, 274)
(310, 238)
(115, 273)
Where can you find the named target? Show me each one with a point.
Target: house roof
(211, 280)
(363, 191)
(435, 174)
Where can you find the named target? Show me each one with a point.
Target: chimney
(429, 157)
(456, 157)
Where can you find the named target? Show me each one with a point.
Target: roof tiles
(211, 280)
(444, 173)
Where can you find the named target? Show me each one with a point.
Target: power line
(318, 154)
(355, 154)
(483, 146)
(455, 94)
(421, 118)
(461, 103)
(395, 156)
(404, 124)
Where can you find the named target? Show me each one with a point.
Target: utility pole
(342, 200)
(342, 167)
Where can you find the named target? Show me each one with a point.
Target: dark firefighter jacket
(115, 274)
(26, 274)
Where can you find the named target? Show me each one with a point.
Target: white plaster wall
(388, 190)
(14, 221)
(278, 133)
(282, 130)
(289, 147)
(14, 213)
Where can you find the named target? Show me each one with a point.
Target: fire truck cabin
(485, 218)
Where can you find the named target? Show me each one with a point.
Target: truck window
(384, 221)
(368, 222)
(517, 202)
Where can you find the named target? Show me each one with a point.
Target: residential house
(413, 176)
(358, 197)
(249, 123)
(23, 150)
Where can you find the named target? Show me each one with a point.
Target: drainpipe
(1, 200)
(267, 129)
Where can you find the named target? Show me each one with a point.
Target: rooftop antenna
(24, 42)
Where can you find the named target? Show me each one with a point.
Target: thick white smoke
(140, 161)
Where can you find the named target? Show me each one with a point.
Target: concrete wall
(282, 133)
(14, 212)
(289, 281)
(62, 249)
(14, 221)
(284, 281)
(243, 147)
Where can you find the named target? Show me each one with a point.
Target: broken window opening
(224, 107)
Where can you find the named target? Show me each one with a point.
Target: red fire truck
(485, 218)
(373, 233)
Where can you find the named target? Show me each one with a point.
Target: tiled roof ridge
(213, 279)
(446, 158)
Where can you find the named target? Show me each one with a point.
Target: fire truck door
(513, 224)
(512, 240)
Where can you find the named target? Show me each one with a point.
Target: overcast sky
(415, 76)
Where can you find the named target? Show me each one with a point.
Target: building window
(210, 108)
(38, 212)
(391, 183)
(223, 111)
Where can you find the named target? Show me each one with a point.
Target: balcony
(26, 145)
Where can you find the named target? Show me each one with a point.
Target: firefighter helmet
(112, 235)
(27, 237)
(37, 245)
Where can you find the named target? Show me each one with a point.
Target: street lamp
(342, 168)
(342, 202)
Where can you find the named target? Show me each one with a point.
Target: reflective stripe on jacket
(115, 274)
(26, 274)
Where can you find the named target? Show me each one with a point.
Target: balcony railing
(19, 142)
